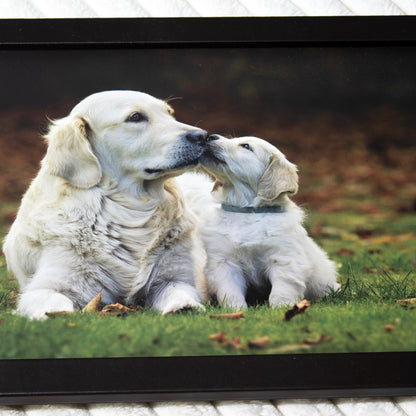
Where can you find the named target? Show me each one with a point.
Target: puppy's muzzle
(212, 137)
(197, 137)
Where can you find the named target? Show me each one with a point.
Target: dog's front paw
(37, 303)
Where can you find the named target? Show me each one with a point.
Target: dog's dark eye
(246, 146)
(136, 117)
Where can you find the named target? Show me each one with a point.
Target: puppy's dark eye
(246, 146)
(136, 117)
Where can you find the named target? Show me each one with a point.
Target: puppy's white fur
(255, 249)
(105, 212)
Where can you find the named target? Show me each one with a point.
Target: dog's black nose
(197, 136)
(212, 137)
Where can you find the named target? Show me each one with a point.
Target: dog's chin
(171, 170)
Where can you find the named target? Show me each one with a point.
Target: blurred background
(345, 116)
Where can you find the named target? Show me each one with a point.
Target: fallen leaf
(321, 339)
(389, 328)
(2, 321)
(115, 309)
(219, 337)
(71, 325)
(363, 233)
(288, 348)
(296, 310)
(406, 302)
(94, 303)
(259, 342)
(345, 252)
(236, 343)
(59, 313)
(234, 315)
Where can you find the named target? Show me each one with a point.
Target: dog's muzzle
(197, 137)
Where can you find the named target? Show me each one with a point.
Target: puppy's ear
(70, 155)
(280, 177)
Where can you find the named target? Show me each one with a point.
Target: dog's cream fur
(104, 211)
(255, 249)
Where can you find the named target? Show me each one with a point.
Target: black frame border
(208, 377)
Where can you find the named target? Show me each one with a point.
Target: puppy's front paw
(237, 302)
(178, 305)
(231, 299)
(177, 297)
(277, 301)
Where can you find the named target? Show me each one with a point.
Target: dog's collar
(253, 210)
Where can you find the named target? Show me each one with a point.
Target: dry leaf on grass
(296, 310)
(234, 315)
(2, 321)
(363, 233)
(116, 309)
(321, 339)
(236, 343)
(288, 348)
(405, 303)
(219, 337)
(94, 303)
(389, 328)
(345, 252)
(259, 342)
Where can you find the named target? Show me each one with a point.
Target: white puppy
(251, 230)
(104, 213)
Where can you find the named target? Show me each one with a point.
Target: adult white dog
(103, 211)
(251, 230)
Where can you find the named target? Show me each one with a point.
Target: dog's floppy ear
(280, 177)
(70, 155)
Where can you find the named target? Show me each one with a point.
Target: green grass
(375, 272)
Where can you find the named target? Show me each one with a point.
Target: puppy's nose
(212, 137)
(197, 136)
